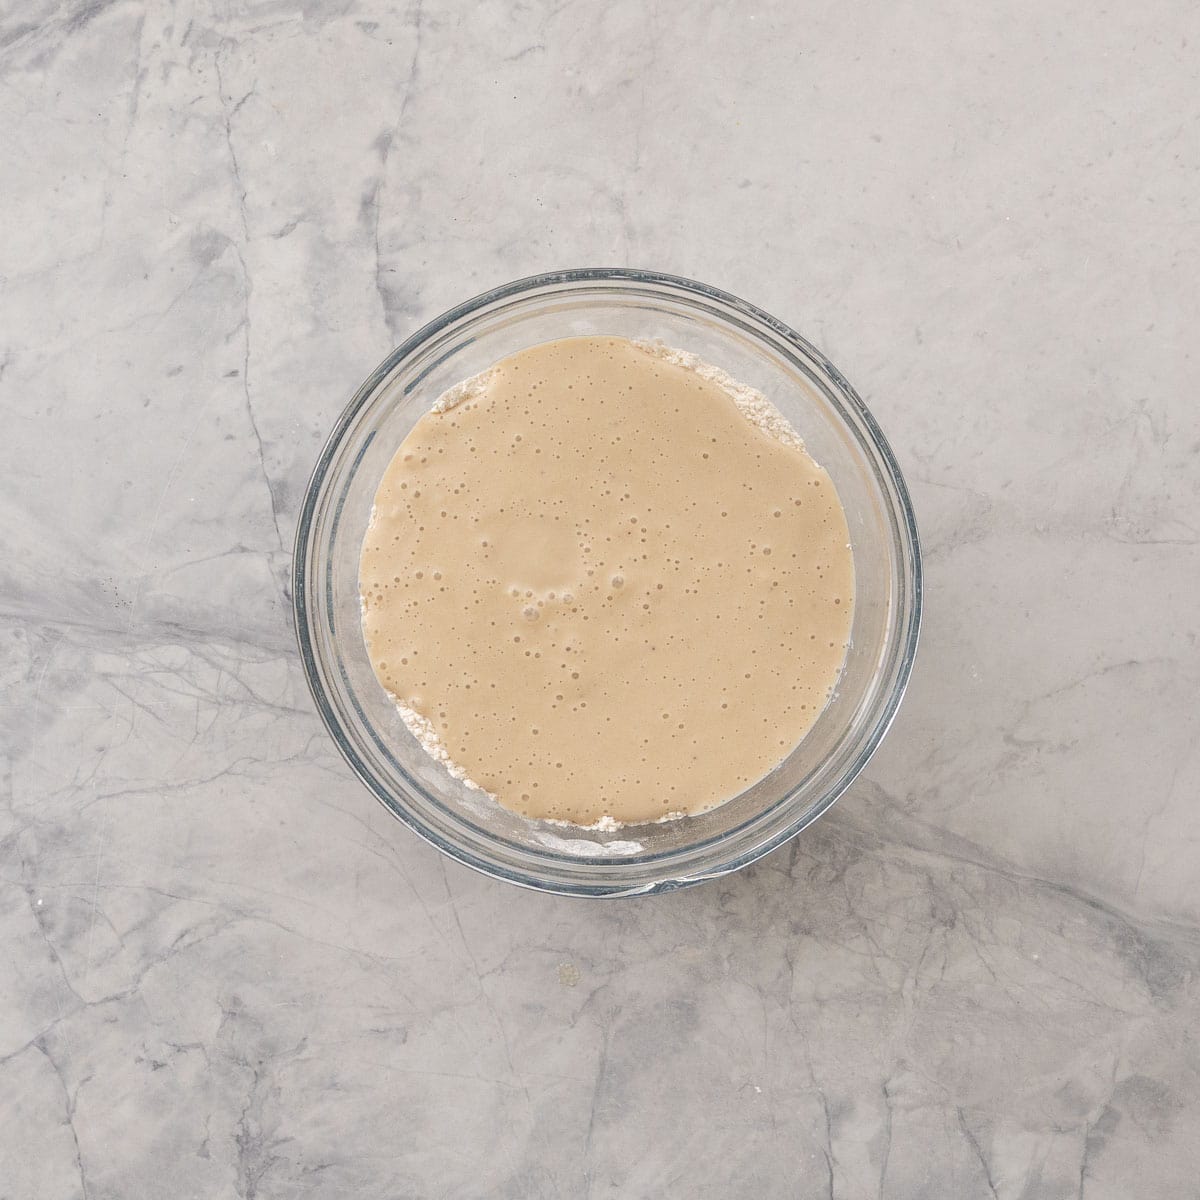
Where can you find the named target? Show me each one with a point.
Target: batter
(605, 583)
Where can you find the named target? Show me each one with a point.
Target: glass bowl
(840, 434)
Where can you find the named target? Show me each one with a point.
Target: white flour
(422, 729)
(467, 390)
(753, 404)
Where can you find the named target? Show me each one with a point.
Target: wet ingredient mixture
(605, 583)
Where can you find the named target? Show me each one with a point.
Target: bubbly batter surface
(606, 583)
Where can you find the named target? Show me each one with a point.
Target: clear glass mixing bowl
(840, 434)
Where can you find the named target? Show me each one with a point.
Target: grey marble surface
(228, 973)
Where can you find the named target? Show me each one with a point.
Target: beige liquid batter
(606, 583)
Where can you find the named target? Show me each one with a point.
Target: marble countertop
(229, 973)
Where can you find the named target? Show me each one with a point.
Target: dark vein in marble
(373, 202)
(228, 113)
(973, 1142)
(70, 1100)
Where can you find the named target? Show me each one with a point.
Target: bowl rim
(908, 633)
